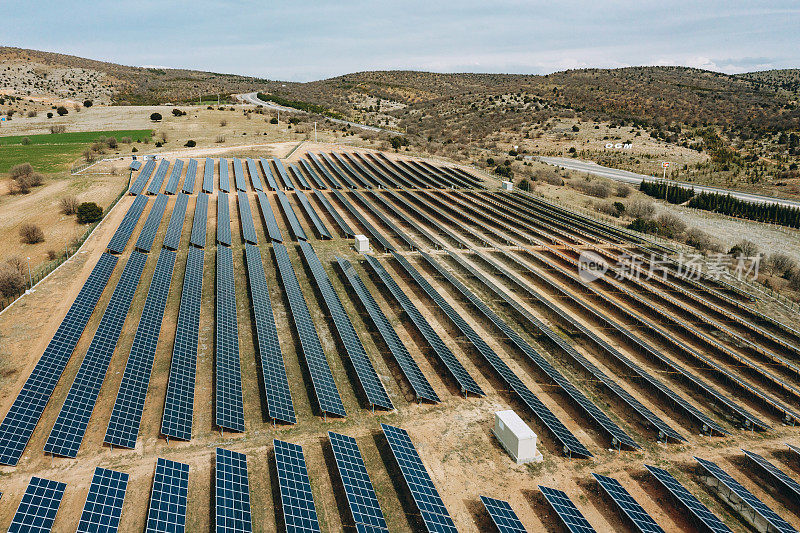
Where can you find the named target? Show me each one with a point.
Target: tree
(31, 233)
(273, 120)
(190, 144)
(69, 205)
(88, 103)
(12, 282)
(398, 141)
(576, 128)
(155, 117)
(89, 212)
(61, 110)
(177, 112)
(49, 115)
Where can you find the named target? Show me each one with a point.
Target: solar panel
(298, 176)
(383, 218)
(375, 234)
(344, 177)
(174, 178)
(126, 416)
(430, 504)
(191, 175)
(135, 164)
(273, 370)
(224, 179)
(299, 513)
(503, 516)
(104, 502)
(271, 183)
(399, 179)
(314, 177)
(435, 241)
(167, 511)
(151, 225)
(172, 239)
(223, 219)
(348, 232)
(365, 171)
(287, 182)
(142, 178)
(269, 217)
(125, 229)
(24, 414)
(334, 182)
(358, 488)
(255, 179)
(158, 179)
(325, 389)
(238, 175)
(387, 180)
(642, 521)
(352, 173)
(786, 483)
(688, 500)
(294, 223)
(229, 405)
(200, 221)
(794, 448)
(422, 389)
(246, 217)
(370, 382)
(179, 402)
(232, 495)
(443, 353)
(322, 231)
(70, 426)
(208, 176)
(569, 514)
(37, 510)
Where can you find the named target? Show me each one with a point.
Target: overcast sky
(303, 41)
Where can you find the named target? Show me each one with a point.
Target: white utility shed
(507, 186)
(362, 244)
(516, 437)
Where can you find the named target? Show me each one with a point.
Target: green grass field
(54, 152)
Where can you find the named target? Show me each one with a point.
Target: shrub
(23, 177)
(60, 128)
(397, 141)
(89, 212)
(702, 240)
(12, 282)
(88, 103)
(524, 185)
(670, 225)
(25, 141)
(744, 248)
(31, 114)
(641, 209)
(111, 142)
(273, 120)
(69, 205)
(51, 254)
(644, 225)
(61, 110)
(125, 140)
(504, 171)
(782, 264)
(622, 190)
(155, 117)
(490, 161)
(49, 115)
(598, 189)
(31, 233)
(178, 113)
(190, 144)
(223, 123)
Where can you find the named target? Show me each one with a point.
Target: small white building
(516, 437)
(362, 244)
(507, 186)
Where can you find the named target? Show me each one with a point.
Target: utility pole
(30, 277)
(315, 132)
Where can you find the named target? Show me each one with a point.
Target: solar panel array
(232, 494)
(179, 402)
(223, 219)
(298, 176)
(642, 521)
(379, 238)
(271, 183)
(229, 405)
(422, 388)
(572, 518)
(158, 179)
(174, 177)
(126, 416)
(273, 370)
(503, 516)
(167, 511)
(143, 177)
(443, 353)
(325, 389)
(191, 176)
(287, 182)
(151, 225)
(344, 177)
(255, 179)
(430, 504)
(297, 502)
(344, 226)
(200, 221)
(383, 218)
(70, 426)
(172, 239)
(135, 164)
(334, 182)
(208, 176)
(39, 506)
(350, 173)
(322, 230)
(688, 500)
(24, 414)
(269, 217)
(370, 382)
(785, 482)
(294, 223)
(104, 502)
(238, 175)
(224, 178)
(246, 217)
(358, 488)
(125, 229)
(314, 176)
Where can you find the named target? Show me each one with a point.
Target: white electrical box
(362, 244)
(507, 186)
(516, 437)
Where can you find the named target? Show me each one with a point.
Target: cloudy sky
(304, 41)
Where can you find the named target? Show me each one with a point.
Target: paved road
(252, 98)
(631, 177)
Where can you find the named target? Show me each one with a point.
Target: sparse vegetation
(69, 205)
(31, 233)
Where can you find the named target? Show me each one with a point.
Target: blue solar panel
(208, 176)
(174, 177)
(434, 513)
(172, 239)
(386, 220)
(238, 175)
(276, 385)
(255, 179)
(151, 225)
(158, 179)
(126, 416)
(269, 217)
(294, 223)
(143, 178)
(343, 176)
(24, 414)
(314, 177)
(299, 513)
(642, 521)
(223, 219)
(191, 175)
(334, 182)
(365, 171)
(287, 182)
(246, 218)
(125, 230)
(503, 516)
(179, 403)
(167, 511)
(224, 178)
(786, 483)
(422, 389)
(135, 164)
(325, 389)
(298, 176)
(357, 179)
(344, 226)
(370, 382)
(229, 405)
(374, 233)
(200, 221)
(271, 183)
(358, 488)
(37, 510)
(232, 495)
(322, 231)
(569, 514)
(70, 426)
(104, 502)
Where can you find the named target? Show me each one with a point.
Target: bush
(31, 233)
(60, 128)
(504, 171)
(178, 113)
(782, 264)
(61, 110)
(88, 103)
(25, 141)
(125, 140)
(52, 254)
(744, 248)
(89, 212)
(155, 117)
(670, 225)
(702, 240)
(12, 282)
(49, 115)
(69, 205)
(622, 190)
(524, 185)
(598, 189)
(23, 177)
(644, 225)
(223, 123)
(31, 114)
(398, 141)
(273, 120)
(641, 209)
(190, 144)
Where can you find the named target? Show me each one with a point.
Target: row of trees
(674, 194)
(728, 205)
